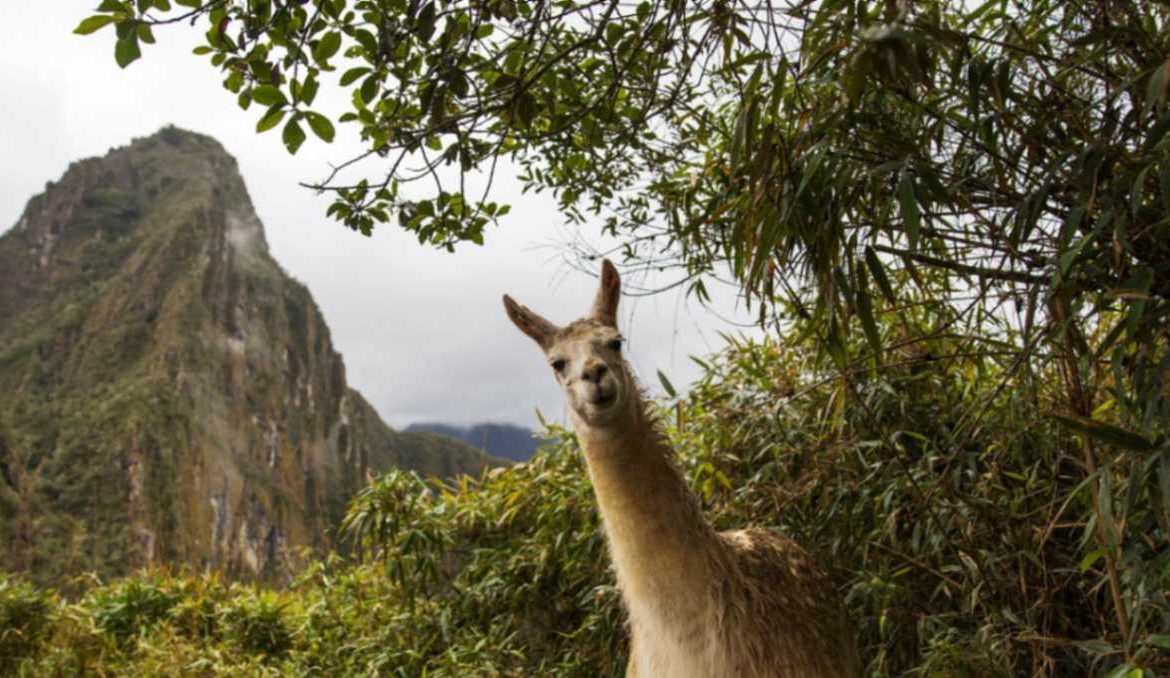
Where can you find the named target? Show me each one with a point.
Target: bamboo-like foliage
(966, 541)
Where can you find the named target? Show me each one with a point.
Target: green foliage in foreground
(966, 550)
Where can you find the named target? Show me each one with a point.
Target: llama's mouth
(602, 398)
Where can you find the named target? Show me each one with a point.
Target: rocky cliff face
(167, 392)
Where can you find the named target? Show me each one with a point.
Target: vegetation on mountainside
(167, 392)
(978, 557)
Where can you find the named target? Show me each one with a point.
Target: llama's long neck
(665, 553)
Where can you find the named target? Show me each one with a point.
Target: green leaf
(126, 50)
(1090, 558)
(1107, 433)
(666, 385)
(908, 204)
(268, 95)
(293, 136)
(425, 25)
(270, 119)
(1125, 671)
(739, 136)
(835, 345)
(879, 275)
(93, 24)
(309, 90)
(321, 126)
(1138, 190)
(327, 46)
(367, 40)
(369, 89)
(1156, 87)
(865, 311)
(350, 76)
(855, 74)
(1068, 258)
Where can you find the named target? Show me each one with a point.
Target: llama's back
(784, 618)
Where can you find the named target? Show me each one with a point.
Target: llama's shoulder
(763, 553)
(778, 573)
(787, 598)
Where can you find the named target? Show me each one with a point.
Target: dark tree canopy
(840, 161)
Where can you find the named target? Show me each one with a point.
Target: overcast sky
(423, 333)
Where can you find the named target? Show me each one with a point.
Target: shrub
(197, 615)
(255, 623)
(26, 616)
(128, 608)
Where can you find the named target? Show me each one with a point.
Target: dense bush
(25, 620)
(956, 515)
(126, 609)
(964, 548)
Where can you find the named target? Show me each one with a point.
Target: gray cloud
(423, 333)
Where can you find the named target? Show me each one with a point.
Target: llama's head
(586, 355)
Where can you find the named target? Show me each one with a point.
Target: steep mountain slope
(507, 441)
(167, 392)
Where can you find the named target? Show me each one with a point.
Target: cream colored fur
(701, 603)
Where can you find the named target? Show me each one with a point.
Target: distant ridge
(499, 440)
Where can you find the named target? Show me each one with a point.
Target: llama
(701, 603)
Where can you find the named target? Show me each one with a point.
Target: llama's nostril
(594, 373)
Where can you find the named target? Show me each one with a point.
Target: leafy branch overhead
(771, 139)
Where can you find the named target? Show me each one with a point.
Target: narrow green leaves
(666, 385)
(874, 264)
(1156, 88)
(1089, 559)
(908, 206)
(865, 311)
(1104, 432)
(835, 345)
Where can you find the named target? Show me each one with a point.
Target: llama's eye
(615, 344)
(558, 365)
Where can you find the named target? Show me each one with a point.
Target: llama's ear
(541, 330)
(608, 294)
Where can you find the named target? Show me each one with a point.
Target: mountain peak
(167, 392)
(171, 168)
